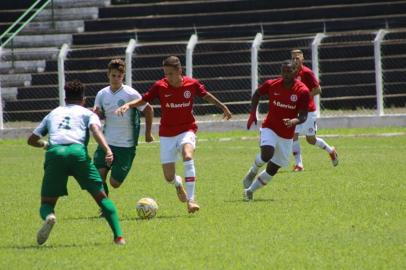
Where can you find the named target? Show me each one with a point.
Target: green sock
(106, 188)
(110, 213)
(45, 210)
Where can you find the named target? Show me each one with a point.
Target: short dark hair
(117, 64)
(299, 51)
(74, 90)
(172, 61)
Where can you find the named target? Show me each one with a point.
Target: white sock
(323, 145)
(258, 163)
(262, 179)
(297, 153)
(177, 181)
(190, 177)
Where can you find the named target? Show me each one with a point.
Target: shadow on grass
(157, 217)
(51, 246)
(253, 201)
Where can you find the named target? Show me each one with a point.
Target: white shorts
(309, 127)
(171, 146)
(283, 147)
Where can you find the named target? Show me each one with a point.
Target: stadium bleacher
(222, 56)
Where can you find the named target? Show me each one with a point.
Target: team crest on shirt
(187, 94)
(120, 102)
(299, 78)
(293, 98)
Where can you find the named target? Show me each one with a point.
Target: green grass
(349, 217)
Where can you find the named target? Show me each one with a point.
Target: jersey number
(65, 124)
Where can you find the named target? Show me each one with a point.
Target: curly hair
(74, 90)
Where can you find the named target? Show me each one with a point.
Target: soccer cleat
(298, 168)
(180, 191)
(45, 230)
(192, 206)
(334, 157)
(248, 179)
(119, 241)
(248, 195)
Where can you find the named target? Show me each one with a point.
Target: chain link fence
(29, 85)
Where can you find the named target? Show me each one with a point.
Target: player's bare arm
(301, 118)
(99, 112)
(132, 104)
(149, 115)
(315, 91)
(99, 137)
(213, 100)
(36, 141)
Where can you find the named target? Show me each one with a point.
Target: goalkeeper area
(347, 217)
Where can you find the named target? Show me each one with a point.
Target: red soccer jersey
(283, 103)
(306, 76)
(176, 105)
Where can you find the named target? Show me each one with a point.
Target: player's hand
(252, 119)
(109, 158)
(288, 122)
(226, 113)
(149, 138)
(122, 109)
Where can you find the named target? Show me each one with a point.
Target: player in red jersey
(178, 127)
(288, 102)
(308, 128)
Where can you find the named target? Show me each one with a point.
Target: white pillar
(61, 73)
(315, 65)
(189, 54)
(128, 61)
(378, 71)
(256, 43)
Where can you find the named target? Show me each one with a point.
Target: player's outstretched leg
(297, 153)
(330, 150)
(180, 190)
(262, 180)
(43, 233)
(252, 172)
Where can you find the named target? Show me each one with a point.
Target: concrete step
(80, 3)
(83, 13)
(13, 80)
(59, 27)
(9, 93)
(9, 67)
(30, 41)
(44, 53)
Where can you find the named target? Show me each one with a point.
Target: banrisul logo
(120, 102)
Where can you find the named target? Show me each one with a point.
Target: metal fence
(360, 72)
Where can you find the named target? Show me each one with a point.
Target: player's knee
(266, 157)
(311, 139)
(115, 183)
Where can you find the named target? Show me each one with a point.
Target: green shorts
(62, 161)
(123, 160)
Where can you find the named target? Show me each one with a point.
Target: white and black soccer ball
(146, 208)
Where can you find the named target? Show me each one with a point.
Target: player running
(288, 102)
(121, 132)
(178, 127)
(66, 155)
(309, 127)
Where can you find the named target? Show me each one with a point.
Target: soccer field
(349, 217)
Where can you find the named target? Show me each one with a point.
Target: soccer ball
(146, 208)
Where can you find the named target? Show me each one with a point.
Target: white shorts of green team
(171, 147)
(309, 127)
(283, 147)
